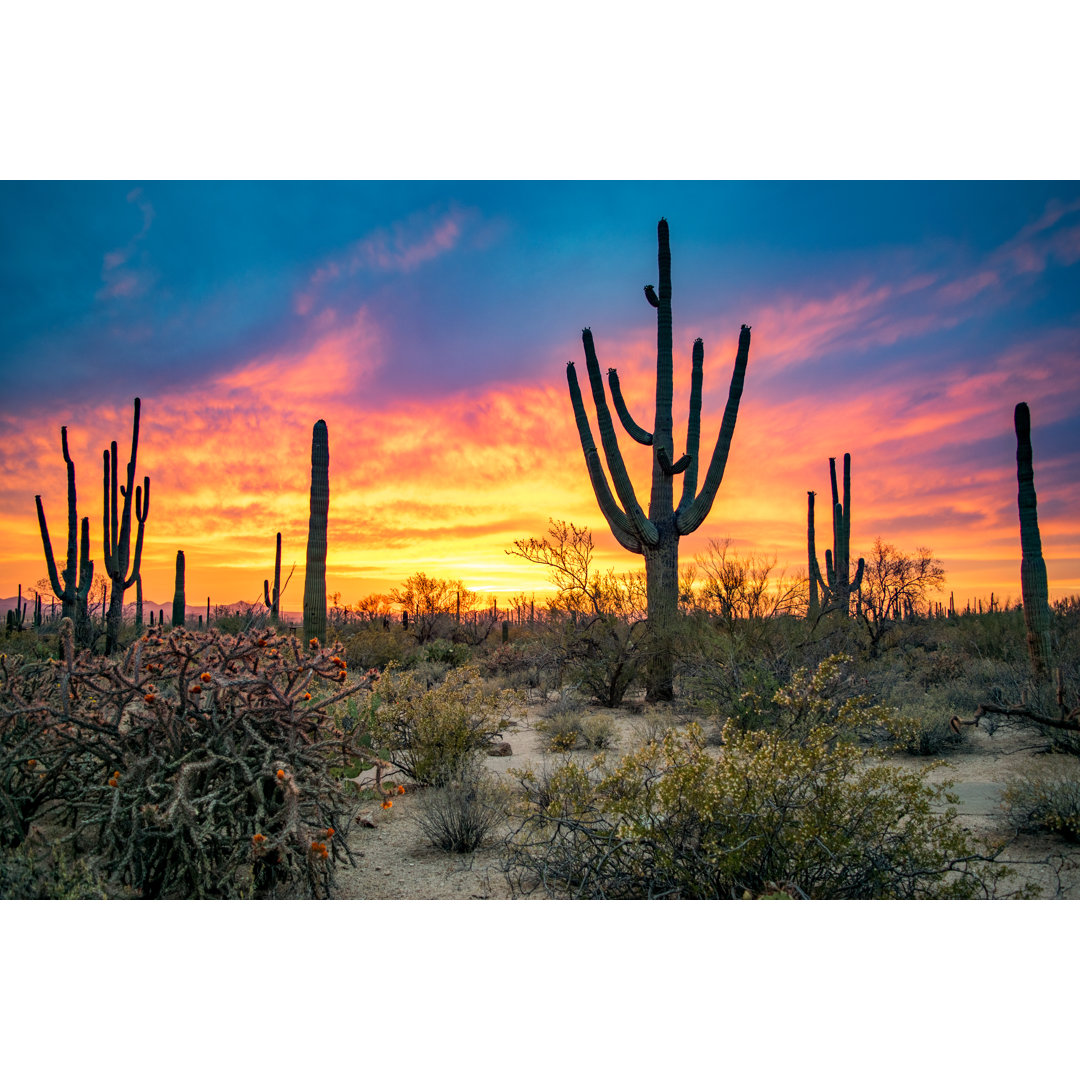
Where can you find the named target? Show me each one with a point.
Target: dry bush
(460, 814)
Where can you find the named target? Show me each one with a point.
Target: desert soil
(395, 861)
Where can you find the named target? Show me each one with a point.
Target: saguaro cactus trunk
(179, 603)
(315, 575)
(656, 536)
(117, 531)
(1033, 584)
(838, 586)
(273, 598)
(79, 573)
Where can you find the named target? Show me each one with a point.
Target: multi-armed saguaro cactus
(837, 587)
(272, 599)
(179, 602)
(16, 619)
(79, 572)
(315, 576)
(1033, 584)
(117, 531)
(656, 536)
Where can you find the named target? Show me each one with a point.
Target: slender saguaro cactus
(315, 576)
(272, 599)
(117, 531)
(179, 604)
(837, 587)
(1033, 585)
(656, 536)
(79, 573)
(138, 602)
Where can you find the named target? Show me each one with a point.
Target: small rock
(365, 822)
(502, 749)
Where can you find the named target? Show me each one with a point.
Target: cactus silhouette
(117, 531)
(837, 587)
(1033, 584)
(179, 603)
(315, 575)
(79, 573)
(272, 600)
(656, 535)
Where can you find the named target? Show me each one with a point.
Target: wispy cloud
(120, 280)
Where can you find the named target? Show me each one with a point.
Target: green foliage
(48, 875)
(793, 809)
(566, 730)
(193, 764)
(451, 653)
(373, 646)
(1045, 803)
(429, 731)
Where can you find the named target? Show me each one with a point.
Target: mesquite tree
(1033, 585)
(315, 574)
(838, 586)
(117, 531)
(656, 536)
(79, 572)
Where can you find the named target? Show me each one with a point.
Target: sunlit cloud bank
(904, 366)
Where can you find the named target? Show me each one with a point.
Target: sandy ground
(395, 861)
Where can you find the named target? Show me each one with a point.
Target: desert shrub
(1046, 803)
(192, 764)
(372, 646)
(566, 730)
(462, 811)
(924, 735)
(428, 731)
(449, 653)
(794, 809)
(48, 875)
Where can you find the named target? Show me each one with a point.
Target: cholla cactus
(656, 536)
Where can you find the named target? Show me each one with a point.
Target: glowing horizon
(431, 332)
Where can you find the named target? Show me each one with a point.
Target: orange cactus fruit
(258, 838)
(330, 831)
(400, 789)
(32, 762)
(205, 676)
(387, 804)
(117, 774)
(112, 781)
(307, 697)
(281, 774)
(314, 642)
(149, 699)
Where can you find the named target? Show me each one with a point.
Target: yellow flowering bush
(798, 809)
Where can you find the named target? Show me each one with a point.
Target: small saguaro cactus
(656, 536)
(315, 574)
(837, 587)
(117, 531)
(273, 598)
(138, 602)
(78, 575)
(179, 603)
(1033, 583)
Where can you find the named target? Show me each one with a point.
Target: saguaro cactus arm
(50, 562)
(617, 520)
(689, 517)
(635, 431)
(693, 426)
(640, 524)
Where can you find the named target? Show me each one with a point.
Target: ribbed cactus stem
(179, 604)
(315, 575)
(813, 571)
(837, 586)
(117, 529)
(1033, 582)
(272, 599)
(138, 602)
(656, 535)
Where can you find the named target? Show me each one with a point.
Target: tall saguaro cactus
(117, 531)
(1033, 584)
(179, 602)
(79, 573)
(315, 575)
(837, 587)
(656, 536)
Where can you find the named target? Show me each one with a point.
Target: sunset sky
(430, 324)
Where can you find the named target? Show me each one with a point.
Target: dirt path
(397, 862)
